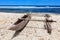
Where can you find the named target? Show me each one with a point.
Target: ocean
(24, 9)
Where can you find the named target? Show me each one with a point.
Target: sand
(34, 29)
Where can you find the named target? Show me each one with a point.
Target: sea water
(24, 9)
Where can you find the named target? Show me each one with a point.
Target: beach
(34, 30)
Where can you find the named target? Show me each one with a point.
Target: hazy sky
(29, 2)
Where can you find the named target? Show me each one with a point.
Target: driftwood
(20, 24)
(47, 24)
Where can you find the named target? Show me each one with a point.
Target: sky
(29, 2)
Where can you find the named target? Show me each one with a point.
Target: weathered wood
(20, 24)
(47, 24)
